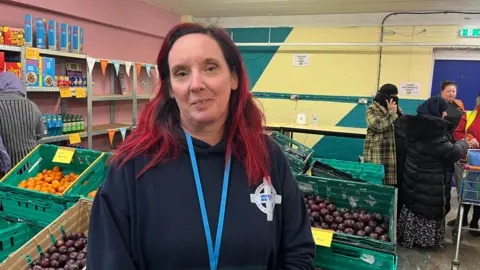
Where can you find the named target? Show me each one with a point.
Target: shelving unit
(90, 129)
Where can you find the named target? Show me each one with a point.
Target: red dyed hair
(154, 134)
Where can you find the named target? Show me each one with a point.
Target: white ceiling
(237, 8)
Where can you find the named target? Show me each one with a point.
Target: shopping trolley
(469, 194)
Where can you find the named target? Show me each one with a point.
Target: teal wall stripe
(256, 59)
(344, 99)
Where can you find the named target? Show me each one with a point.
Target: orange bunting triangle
(139, 68)
(104, 64)
(111, 134)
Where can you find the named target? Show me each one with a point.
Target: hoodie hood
(425, 127)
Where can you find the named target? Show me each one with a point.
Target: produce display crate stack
(298, 155)
(87, 188)
(18, 201)
(71, 225)
(360, 203)
(14, 233)
(373, 173)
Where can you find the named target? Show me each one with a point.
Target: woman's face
(200, 79)
(449, 93)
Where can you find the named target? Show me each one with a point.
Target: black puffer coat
(429, 163)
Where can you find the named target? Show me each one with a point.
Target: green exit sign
(470, 32)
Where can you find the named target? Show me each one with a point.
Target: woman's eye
(211, 68)
(181, 74)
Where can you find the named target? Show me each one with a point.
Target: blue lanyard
(212, 254)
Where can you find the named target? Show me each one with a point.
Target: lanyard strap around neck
(213, 252)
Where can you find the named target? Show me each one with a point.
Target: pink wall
(114, 29)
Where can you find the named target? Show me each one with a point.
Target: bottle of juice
(69, 124)
(45, 128)
(49, 124)
(74, 124)
(82, 124)
(59, 125)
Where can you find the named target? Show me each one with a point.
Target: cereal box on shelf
(53, 42)
(64, 37)
(77, 42)
(14, 36)
(2, 40)
(48, 71)
(41, 35)
(32, 75)
(28, 28)
(14, 67)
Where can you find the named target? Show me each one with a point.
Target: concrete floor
(421, 259)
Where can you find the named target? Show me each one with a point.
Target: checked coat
(379, 145)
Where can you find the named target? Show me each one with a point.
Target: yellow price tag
(64, 155)
(74, 138)
(32, 53)
(80, 93)
(322, 237)
(65, 92)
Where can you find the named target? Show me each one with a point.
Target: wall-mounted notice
(409, 89)
(301, 60)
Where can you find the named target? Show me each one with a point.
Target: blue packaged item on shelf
(53, 42)
(28, 28)
(48, 71)
(32, 72)
(64, 37)
(41, 35)
(77, 36)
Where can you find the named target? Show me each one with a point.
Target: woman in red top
(469, 127)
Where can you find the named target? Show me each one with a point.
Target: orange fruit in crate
(92, 194)
(56, 168)
(61, 189)
(22, 185)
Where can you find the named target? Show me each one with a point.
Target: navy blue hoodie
(154, 222)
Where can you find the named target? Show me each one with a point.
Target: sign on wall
(470, 32)
(409, 89)
(301, 60)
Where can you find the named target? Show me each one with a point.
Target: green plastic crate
(14, 234)
(373, 198)
(37, 206)
(344, 257)
(81, 188)
(298, 165)
(373, 173)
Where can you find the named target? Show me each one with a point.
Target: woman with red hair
(198, 185)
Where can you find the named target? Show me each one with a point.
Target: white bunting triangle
(91, 63)
(156, 69)
(149, 68)
(116, 64)
(123, 131)
(128, 65)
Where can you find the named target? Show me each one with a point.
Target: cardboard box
(14, 36)
(64, 37)
(77, 42)
(32, 72)
(28, 28)
(48, 72)
(53, 42)
(14, 67)
(41, 34)
(75, 219)
(2, 40)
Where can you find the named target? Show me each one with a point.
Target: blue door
(465, 73)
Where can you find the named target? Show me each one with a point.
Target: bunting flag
(139, 68)
(91, 63)
(156, 69)
(104, 65)
(148, 67)
(116, 64)
(128, 65)
(123, 131)
(111, 134)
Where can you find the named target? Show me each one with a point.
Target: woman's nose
(196, 82)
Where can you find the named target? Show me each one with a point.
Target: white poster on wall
(409, 89)
(301, 60)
